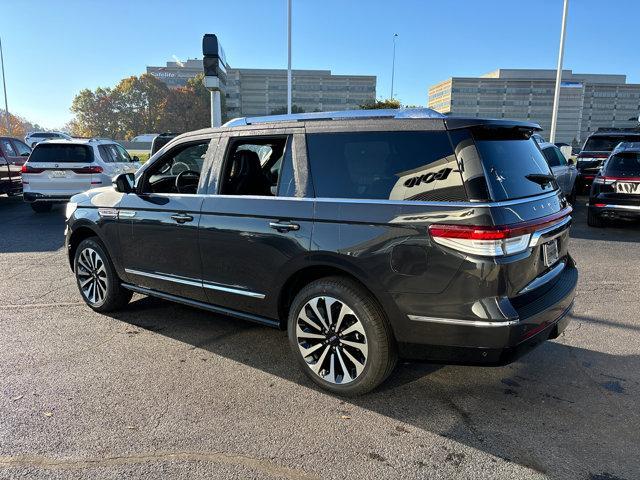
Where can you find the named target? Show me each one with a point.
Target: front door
(256, 231)
(15, 154)
(159, 223)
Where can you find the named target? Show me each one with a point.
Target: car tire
(594, 219)
(41, 207)
(354, 316)
(96, 277)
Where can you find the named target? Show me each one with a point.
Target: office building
(587, 101)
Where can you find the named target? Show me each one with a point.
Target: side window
(418, 166)
(123, 155)
(8, 148)
(255, 166)
(178, 171)
(112, 152)
(551, 157)
(22, 148)
(105, 153)
(561, 159)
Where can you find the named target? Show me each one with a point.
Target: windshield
(624, 163)
(606, 143)
(513, 164)
(59, 153)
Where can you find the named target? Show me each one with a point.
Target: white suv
(58, 169)
(33, 138)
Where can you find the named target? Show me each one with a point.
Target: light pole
(556, 96)
(4, 85)
(289, 57)
(393, 64)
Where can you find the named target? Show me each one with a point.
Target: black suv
(615, 192)
(369, 235)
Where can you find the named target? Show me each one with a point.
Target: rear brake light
(612, 180)
(589, 177)
(86, 170)
(599, 204)
(26, 168)
(492, 241)
(593, 155)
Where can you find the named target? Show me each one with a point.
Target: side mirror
(124, 182)
(135, 158)
(571, 162)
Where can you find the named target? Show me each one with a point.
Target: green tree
(188, 108)
(380, 104)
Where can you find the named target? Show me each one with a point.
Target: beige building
(253, 91)
(587, 101)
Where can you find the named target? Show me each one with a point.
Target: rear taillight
(92, 169)
(26, 168)
(612, 180)
(492, 241)
(592, 156)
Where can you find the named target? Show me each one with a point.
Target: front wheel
(341, 337)
(97, 280)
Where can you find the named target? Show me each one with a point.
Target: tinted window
(8, 148)
(552, 159)
(604, 143)
(624, 163)
(57, 153)
(384, 165)
(22, 148)
(509, 156)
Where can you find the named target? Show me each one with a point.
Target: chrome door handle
(182, 218)
(284, 226)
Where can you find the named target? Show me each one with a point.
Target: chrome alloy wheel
(332, 340)
(92, 276)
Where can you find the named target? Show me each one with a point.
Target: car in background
(33, 138)
(161, 140)
(58, 169)
(597, 149)
(144, 138)
(565, 148)
(564, 170)
(615, 192)
(13, 154)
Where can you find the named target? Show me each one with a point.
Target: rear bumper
(31, 197)
(495, 342)
(614, 209)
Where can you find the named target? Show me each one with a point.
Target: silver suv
(58, 169)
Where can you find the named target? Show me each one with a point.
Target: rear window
(511, 161)
(604, 143)
(55, 153)
(417, 166)
(624, 163)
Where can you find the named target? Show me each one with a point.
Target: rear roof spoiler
(454, 123)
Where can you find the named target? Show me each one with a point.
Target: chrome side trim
(542, 279)
(535, 236)
(195, 283)
(108, 212)
(127, 213)
(465, 323)
(246, 293)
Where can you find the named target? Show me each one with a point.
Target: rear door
(158, 223)
(257, 230)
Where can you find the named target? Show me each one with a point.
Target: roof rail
(618, 129)
(340, 115)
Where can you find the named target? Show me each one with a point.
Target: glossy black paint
(234, 261)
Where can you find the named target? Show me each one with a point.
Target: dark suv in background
(597, 149)
(369, 235)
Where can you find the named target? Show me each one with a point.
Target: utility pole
(289, 57)
(4, 85)
(556, 96)
(393, 64)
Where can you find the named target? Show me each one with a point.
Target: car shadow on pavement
(615, 230)
(22, 230)
(563, 411)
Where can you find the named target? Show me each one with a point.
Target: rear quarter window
(419, 166)
(58, 153)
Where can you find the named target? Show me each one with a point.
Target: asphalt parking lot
(165, 391)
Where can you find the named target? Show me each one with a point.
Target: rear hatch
(596, 150)
(619, 182)
(60, 169)
(530, 217)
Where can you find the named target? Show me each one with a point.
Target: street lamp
(289, 57)
(393, 65)
(4, 85)
(556, 95)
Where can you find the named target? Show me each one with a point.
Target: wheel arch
(79, 234)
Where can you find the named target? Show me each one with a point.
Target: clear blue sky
(53, 49)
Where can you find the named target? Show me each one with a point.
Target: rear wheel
(97, 280)
(41, 207)
(595, 219)
(341, 337)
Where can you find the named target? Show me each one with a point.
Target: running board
(204, 306)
